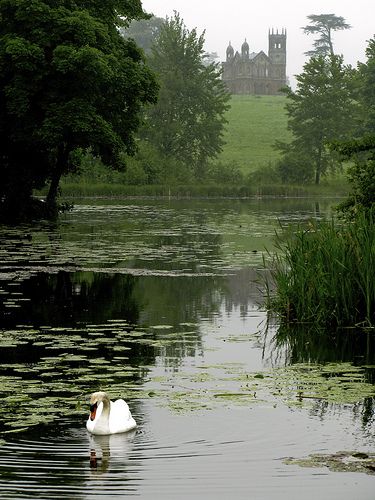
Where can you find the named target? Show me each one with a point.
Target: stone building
(257, 73)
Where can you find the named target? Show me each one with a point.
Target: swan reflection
(108, 449)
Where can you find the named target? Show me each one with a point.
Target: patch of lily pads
(134, 240)
(342, 461)
(49, 373)
(230, 384)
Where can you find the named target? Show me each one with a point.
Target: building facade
(257, 73)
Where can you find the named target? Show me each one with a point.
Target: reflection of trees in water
(363, 411)
(74, 300)
(306, 344)
(68, 299)
(243, 291)
(181, 249)
(179, 302)
(189, 299)
(179, 299)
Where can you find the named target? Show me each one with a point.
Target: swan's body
(107, 417)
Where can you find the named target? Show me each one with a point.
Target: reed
(324, 274)
(197, 190)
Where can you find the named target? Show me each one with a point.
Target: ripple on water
(215, 454)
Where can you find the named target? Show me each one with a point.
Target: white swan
(107, 417)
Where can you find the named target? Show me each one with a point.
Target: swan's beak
(93, 411)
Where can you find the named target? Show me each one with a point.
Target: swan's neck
(102, 422)
(106, 408)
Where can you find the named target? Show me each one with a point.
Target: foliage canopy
(187, 122)
(68, 81)
(144, 32)
(323, 25)
(360, 149)
(320, 111)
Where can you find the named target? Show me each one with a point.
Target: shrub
(295, 169)
(227, 173)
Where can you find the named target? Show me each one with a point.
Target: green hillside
(254, 124)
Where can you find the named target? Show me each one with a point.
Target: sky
(235, 20)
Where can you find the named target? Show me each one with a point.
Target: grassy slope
(254, 124)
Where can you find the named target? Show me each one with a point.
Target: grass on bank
(254, 124)
(333, 188)
(325, 274)
(246, 167)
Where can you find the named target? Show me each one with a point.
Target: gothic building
(257, 73)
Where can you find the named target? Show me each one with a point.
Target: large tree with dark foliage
(187, 122)
(323, 25)
(68, 82)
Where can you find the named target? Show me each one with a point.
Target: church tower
(277, 54)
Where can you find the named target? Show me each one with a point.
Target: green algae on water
(342, 461)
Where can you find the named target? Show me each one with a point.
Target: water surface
(159, 302)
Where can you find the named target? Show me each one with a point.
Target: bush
(156, 167)
(265, 174)
(295, 169)
(362, 198)
(227, 173)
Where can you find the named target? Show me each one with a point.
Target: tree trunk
(318, 170)
(317, 175)
(61, 163)
(330, 44)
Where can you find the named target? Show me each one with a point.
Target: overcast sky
(235, 20)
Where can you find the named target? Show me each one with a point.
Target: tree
(360, 150)
(361, 175)
(320, 111)
(187, 122)
(323, 25)
(68, 82)
(144, 32)
(366, 73)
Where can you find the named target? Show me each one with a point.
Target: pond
(160, 302)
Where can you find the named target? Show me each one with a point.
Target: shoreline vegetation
(246, 167)
(337, 188)
(323, 274)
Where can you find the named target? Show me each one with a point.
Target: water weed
(324, 274)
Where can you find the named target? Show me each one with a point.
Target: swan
(107, 417)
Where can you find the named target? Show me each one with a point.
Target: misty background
(239, 19)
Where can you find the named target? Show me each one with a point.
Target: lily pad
(342, 461)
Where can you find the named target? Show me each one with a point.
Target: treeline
(182, 132)
(84, 91)
(181, 136)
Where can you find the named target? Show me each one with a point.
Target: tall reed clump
(324, 274)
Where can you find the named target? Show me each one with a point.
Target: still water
(160, 302)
